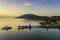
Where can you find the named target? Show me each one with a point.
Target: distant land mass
(36, 17)
(32, 17)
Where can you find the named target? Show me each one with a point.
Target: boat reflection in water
(29, 27)
(6, 28)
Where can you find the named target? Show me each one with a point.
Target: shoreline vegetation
(36, 17)
(47, 22)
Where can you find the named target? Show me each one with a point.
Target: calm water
(26, 34)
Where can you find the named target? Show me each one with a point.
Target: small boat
(6, 28)
(20, 27)
(23, 27)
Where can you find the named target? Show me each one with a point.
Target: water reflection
(32, 31)
(7, 28)
(33, 34)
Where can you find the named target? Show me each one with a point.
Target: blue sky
(38, 7)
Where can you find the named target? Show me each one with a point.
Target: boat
(20, 27)
(23, 27)
(6, 28)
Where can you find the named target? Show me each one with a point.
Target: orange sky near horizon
(18, 12)
(38, 7)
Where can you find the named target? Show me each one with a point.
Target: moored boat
(6, 28)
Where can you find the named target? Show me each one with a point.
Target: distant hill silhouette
(36, 17)
(32, 17)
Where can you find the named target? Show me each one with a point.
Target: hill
(32, 17)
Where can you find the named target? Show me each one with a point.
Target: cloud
(15, 6)
(43, 1)
(12, 6)
(27, 4)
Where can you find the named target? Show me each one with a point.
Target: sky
(38, 7)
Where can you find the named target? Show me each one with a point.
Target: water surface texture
(26, 34)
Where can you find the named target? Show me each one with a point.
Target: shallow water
(26, 34)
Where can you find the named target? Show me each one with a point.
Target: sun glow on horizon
(38, 7)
